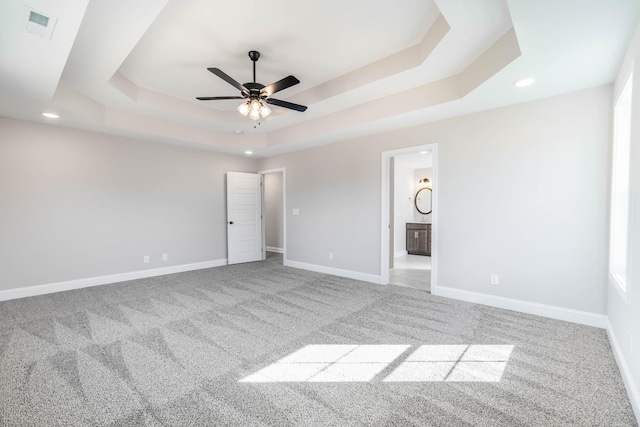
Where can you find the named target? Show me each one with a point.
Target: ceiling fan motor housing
(254, 90)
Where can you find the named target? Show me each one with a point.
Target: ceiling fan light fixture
(244, 108)
(254, 114)
(254, 109)
(265, 111)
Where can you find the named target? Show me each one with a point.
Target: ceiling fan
(255, 93)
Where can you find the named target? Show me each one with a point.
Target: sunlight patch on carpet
(377, 362)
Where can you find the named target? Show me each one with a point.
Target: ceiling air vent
(38, 23)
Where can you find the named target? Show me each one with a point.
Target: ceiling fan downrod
(254, 55)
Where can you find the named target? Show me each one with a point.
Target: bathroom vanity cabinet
(419, 238)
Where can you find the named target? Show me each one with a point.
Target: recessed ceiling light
(524, 82)
(248, 152)
(423, 152)
(51, 115)
(238, 132)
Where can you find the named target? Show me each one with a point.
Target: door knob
(230, 222)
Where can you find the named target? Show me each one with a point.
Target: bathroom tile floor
(413, 271)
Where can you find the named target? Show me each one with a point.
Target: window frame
(627, 90)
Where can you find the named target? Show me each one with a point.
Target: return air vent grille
(38, 23)
(36, 18)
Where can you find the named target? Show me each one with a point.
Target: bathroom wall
(403, 206)
(418, 175)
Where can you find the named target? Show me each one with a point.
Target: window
(620, 186)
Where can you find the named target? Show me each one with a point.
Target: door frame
(387, 204)
(284, 212)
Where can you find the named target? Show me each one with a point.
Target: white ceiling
(135, 68)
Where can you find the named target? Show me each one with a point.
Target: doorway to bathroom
(409, 213)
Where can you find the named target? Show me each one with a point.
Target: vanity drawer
(418, 226)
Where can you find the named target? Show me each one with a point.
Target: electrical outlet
(330, 255)
(146, 259)
(165, 257)
(494, 280)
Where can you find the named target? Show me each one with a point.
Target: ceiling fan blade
(285, 104)
(218, 72)
(215, 98)
(279, 85)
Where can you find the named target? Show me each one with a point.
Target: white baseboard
(372, 278)
(398, 254)
(625, 371)
(554, 312)
(274, 249)
(30, 291)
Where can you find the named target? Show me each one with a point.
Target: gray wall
(337, 191)
(76, 204)
(273, 209)
(523, 193)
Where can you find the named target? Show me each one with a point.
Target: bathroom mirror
(423, 201)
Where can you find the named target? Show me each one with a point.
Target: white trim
(544, 310)
(632, 388)
(284, 206)
(264, 172)
(263, 221)
(371, 278)
(30, 291)
(614, 280)
(398, 254)
(623, 292)
(274, 249)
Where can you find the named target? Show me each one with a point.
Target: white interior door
(244, 217)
